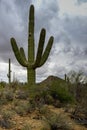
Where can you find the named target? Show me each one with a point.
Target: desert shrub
(22, 108)
(45, 96)
(15, 102)
(5, 124)
(15, 84)
(9, 95)
(61, 92)
(58, 104)
(48, 99)
(21, 95)
(26, 127)
(44, 110)
(40, 95)
(3, 101)
(46, 126)
(7, 114)
(6, 95)
(56, 121)
(33, 104)
(80, 111)
(5, 120)
(1, 87)
(37, 95)
(57, 90)
(2, 84)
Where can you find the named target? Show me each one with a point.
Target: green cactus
(65, 77)
(9, 72)
(31, 63)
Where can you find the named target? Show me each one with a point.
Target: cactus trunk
(31, 76)
(42, 54)
(9, 71)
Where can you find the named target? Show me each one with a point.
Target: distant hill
(52, 79)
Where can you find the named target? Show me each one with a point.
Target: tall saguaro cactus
(9, 71)
(31, 63)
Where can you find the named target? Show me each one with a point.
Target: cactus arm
(31, 36)
(47, 51)
(40, 48)
(23, 54)
(17, 53)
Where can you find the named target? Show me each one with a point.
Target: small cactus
(31, 63)
(65, 77)
(9, 72)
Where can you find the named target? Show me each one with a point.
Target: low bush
(54, 91)
(26, 127)
(9, 95)
(5, 120)
(23, 108)
(3, 101)
(6, 95)
(21, 95)
(5, 124)
(61, 92)
(56, 121)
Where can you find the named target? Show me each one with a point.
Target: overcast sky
(66, 20)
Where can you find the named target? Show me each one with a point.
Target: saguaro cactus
(65, 77)
(31, 63)
(9, 71)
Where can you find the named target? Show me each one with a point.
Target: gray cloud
(81, 1)
(76, 28)
(10, 24)
(46, 14)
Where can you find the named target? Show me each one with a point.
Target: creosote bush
(53, 93)
(20, 94)
(6, 96)
(5, 120)
(56, 121)
(61, 92)
(22, 108)
(26, 127)
(9, 95)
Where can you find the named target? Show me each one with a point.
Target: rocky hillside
(48, 105)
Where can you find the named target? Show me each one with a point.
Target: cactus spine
(31, 63)
(9, 71)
